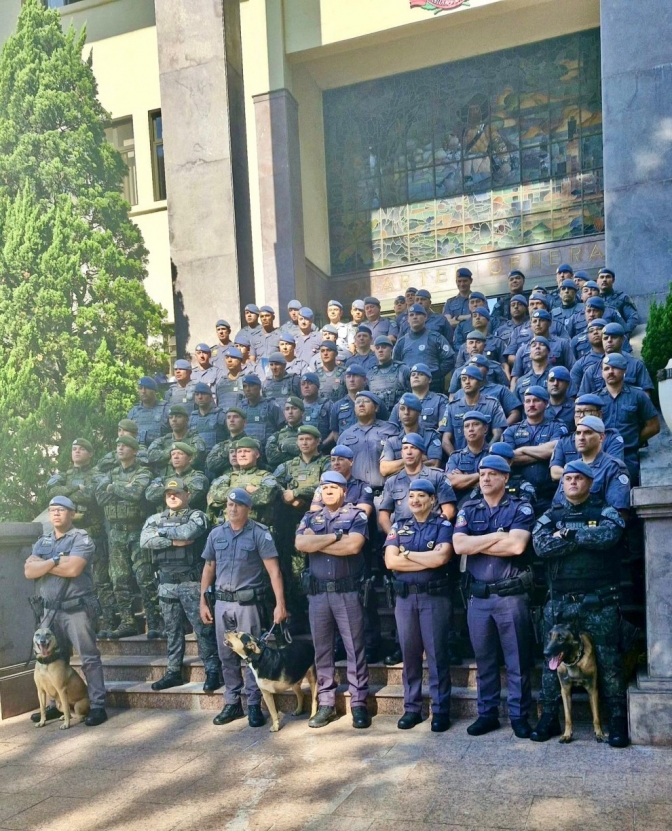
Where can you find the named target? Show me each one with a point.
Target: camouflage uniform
(282, 446)
(195, 481)
(217, 461)
(152, 421)
(79, 484)
(110, 460)
(158, 453)
(263, 499)
(389, 382)
(583, 578)
(121, 494)
(179, 570)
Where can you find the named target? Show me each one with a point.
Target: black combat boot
(521, 728)
(361, 718)
(323, 716)
(254, 715)
(393, 658)
(154, 628)
(547, 727)
(618, 731)
(126, 629)
(440, 723)
(52, 713)
(230, 713)
(483, 725)
(106, 626)
(213, 681)
(96, 716)
(409, 720)
(170, 679)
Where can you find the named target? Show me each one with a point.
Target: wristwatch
(338, 533)
(57, 559)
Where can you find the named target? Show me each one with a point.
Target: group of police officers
(291, 468)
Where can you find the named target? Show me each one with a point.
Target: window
(158, 165)
(120, 136)
(57, 4)
(487, 153)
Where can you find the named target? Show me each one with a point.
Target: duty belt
(432, 587)
(345, 584)
(65, 605)
(501, 588)
(241, 596)
(597, 599)
(166, 577)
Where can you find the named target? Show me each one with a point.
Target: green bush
(657, 345)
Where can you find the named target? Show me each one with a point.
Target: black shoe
(521, 728)
(170, 679)
(547, 727)
(440, 723)
(372, 655)
(255, 716)
(122, 631)
(230, 713)
(96, 716)
(392, 659)
(409, 720)
(154, 630)
(52, 713)
(323, 716)
(213, 681)
(483, 725)
(618, 732)
(361, 718)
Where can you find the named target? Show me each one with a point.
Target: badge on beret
(623, 479)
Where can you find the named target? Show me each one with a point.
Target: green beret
(128, 424)
(237, 411)
(129, 441)
(309, 430)
(189, 449)
(85, 443)
(174, 483)
(296, 402)
(249, 442)
(178, 409)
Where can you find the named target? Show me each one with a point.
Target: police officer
(283, 445)
(308, 340)
(150, 414)
(158, 452)
(426, 345)
(363, 354)
(516, 283)
(618, 300)
(366, 439)
(110, 460)
(333, 538)
(540, 367)
(291, 327)
(61, 562)
(262, 415)
(410, 408)
(477, 301)
(435, 322)
(223, 329)
(78, 483)
(229, 388)
(491, 532)
(331, 375)
(589, 357)
(568, 304)
(280, 385)
(181, 464)
(388, 379)
(252, 325)
(287, 345)
(343, 411)
(519, 319)
(182, 391)
(417, 552)
(265, 341)
(207, 420)
(205, 372)
(478, 342)
(517, 485)
(508, 400)
(175, 538)
(636, 373)
(577, 539)
(238, 557)
(456, 308)
(433, 403)
(335, 318)
(560, 406)
(564, 273)
(377, 325)
(451, 425)
(260, 484)
(217, 461)
(316, 410)
(560, 351)
(121, 494)
(462, 467)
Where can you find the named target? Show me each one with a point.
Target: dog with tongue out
(572, 655)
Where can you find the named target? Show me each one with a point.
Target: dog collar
(55, 656)
(576, 661)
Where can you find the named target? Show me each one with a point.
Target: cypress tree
(75, 320)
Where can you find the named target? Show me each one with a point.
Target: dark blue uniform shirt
(397, 487)
(350, 520)
(412, 535)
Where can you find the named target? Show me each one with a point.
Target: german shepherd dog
(572, 654)
(277, 670)
(55, 678)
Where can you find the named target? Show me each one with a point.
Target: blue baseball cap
(416, 440)
(342, 450)
(422, 368)
(591, 284)
(412, 401)
(471, 372)
(370, 395)
(542, 298)
(364, 329)
(148, 382)
(332, 330)
(581, 275)
(479, 360)
(493, 462)
(355, 369)
(475, 334)
(182, 364)
(579, 467)
(538, 392)
(417, 309)
(501, 448)
(202, 388)
(287, 337)
(476, 415)
(357, 304)
(252, 379)
(331, 477)
(559, 373)
(478, 295)
(423, 485)
(371, 301)
(516, 273)
(424, 294)
(233, 352)
(311, 377)
(541, 339)
(240, 496)
(484, 311)
(606, 271)
(615, 359)
(62, 502)
(599, 322)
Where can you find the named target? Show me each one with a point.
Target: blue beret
(591, 284)
(593, 423)
(251, 378)
(306, 312)
(370, 395)
(478, 295)
(335, 303)
(541, 297)
(411, 289)
(233, 352)
(538, 392)
(541, 314)
(494, 463)
(268, 309)
(559, 373)
(590, 400)
(382, 340)
(412, 401)
(222, 322)
(148, 382)
(355, 369)
(475, 334)
(615, 359)
(329, 344)
(614, 329)
(342, 450)
(579, 467)
(516, 273)
(332, 330)
(423, 485)
(519, 298)
(312, 377)
(416, 440)
(581, 275)
(472, 372)
(242, 339)
(371, 301)
(479, 360)
(564, 267)
(568, 284)
(203, 347)
(541, 339)
(482, 310)
(599, 322)
(424, 294)
(501, 448)
(182, 364)
(331, 477)
(595, 303)
(357, 304)
(364, 329)
(62, 502)
(277, 358)
(463, 272)
(476, 415)
(418, 309)
(203, 388)
(606, 271)
(294, 304)
(400, 299)
(423, 368)
(287, 337)
(251, 307)
(241, 496)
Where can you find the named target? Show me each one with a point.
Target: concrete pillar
(17, 689)
(202, 104)
(637, 113)
(279, 170)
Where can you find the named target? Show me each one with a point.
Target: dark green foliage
(75, 319)
(657, 345)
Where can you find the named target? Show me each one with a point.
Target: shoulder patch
(525, 509)
(461, 520)
(446, 348)
(367, 489)
(623, 479)
(268, 537)
(446, 523)
(619, 438)
(362, 515)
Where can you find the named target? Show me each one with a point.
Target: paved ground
(165, 770)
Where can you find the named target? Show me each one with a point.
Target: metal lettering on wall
(490, 271)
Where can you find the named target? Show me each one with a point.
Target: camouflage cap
(129, 441)
(309, 430)
(85, 443)
(247, 443)
(296, 402)
(178, 409)
(129, 425)
(189, 449)
(174, 483)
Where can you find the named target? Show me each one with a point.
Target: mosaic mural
(478, 155)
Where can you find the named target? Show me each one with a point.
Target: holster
(37, 605)
(246, 597)
(210, 599)
(364, 589)
(389, 590)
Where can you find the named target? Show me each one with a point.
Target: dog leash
(284, 631)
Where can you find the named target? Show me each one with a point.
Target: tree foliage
(75, 319)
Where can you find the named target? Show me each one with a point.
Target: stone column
(202, 105)
(17, 689)
(279, 163)
(637, 113)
